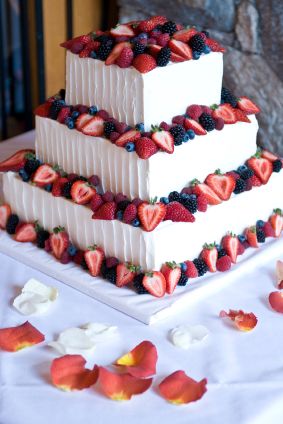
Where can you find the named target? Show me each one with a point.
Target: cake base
(144, 308)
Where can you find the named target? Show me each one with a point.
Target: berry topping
(207, 122)
(219, 124)
(231, 243)
(194, 111)
(125, 274)
(276, 221)
(5, 213)
(241, 116)
(189, 201)
(15, 162)
(82, 192)
(214, 46)
(183, 279)
(151, 214)
(181, 49)
(200, 266)
(82, 120)
(140, 289)
(277, 165)
(122, 30)
(131, 135)
(57, 187)
(191, 124)
(104, 50)
(109, 127)
(268, 230)
(226, 112)
(197, 43)
(209, 254)
(106, 211)
(251, 237)
(202, 203)
(25, 233)
(223, 264)
(172, 274)
(240, 186)
(94, 257)
(260, 235)
(125, 58)
(245, 172)
(228, 97)
(145, 147)
(178, 133)
(94, 127)
(191, 271)
(163, 139)
(163, 56)
(178, 213)
(12, 222)
(203, 189)
(155, 283)
(144, 63)
(247, 106)
(185, 34)
(32, 164)
(42, 236)
(170, 27)
(45, 175)
(59, 242)
(262, 168)
(222, 184)
(130, 213)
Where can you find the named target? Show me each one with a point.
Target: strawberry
(125, 274)
(172, 274)
(203, 189)
(58, 185)
(251, 236)
(262, 168)
(202, 203)
(130, 213)
(268, 230)
(231, 244)
(15, 162)
(155, 283)
(94, 256)
(209, 254)
(162, 39)
(63, 114)
(25, 233)
(106, 211)
(226, 112)
(222, 184)
(145, 147)
(44, 175)
(241, 116)
(122, 30)
(163, 139)
(96, 202)
(176, 212)
(82, 192)
(151, 214)
(255, 181)
(5, 212)
(154, 49)
(180, 48)
(130, 135)
(158, 20)
(191, 271)
(223, 264)
(276, 221)
(42, 110)
(94, 127)
(184, 34)
(234, 175)
(82, 120)
(177, 58)
(126, 57)
(214, 46)
(268, 155)
(115, 53)
(194, 111)
(247, 106)
(191, 124)
(85, 51)
(59, 242)
(241, 249)
(144, 63)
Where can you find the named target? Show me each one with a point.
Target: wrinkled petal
(73, 341)
(35, 298)
(98, 332)
(243, 321)
(186, 335)
(25, 335)
(121, 386)
(178, 388)
(69, 373)
(276, 301)
(279, 274)
(141, 361)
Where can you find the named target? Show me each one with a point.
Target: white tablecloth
(244, 370)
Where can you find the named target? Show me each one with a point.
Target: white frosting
(156, 96)
(169, 241)
(184, 336)
(125, 172)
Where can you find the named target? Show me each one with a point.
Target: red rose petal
(279, 274)
(276, 301)
(243, 321)
(141, 361)
(178, 388)
(25, 335)
(69, 373)
(121, 386)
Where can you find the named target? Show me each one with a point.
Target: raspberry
(130, 213)
(194, 111)
(63, 114)
(162, 39)
(241, 249)
(137, 201)
(187, 190)
(103, 114)
(165, 126)
(96, 202)
(179, 119)
(94, 180)
(249, 185)
(121, 127)
(219, 124)
(120, 197)
(65, 258)
(223, 264)
(111, 262)
(108, 196)
(126, 57)
(255, 181)
(191, 271)
(114, 136)
(206, 109)
(202, 203)
(268, 230)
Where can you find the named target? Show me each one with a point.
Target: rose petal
(276, 301)
(279, 274)
(243, 321)
(73, 341)
(98, 332)
(185, 335)
(25, 335)
(121, 386)
(178, 388)
(69, 373)
(141, 361)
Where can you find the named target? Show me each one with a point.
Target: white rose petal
(186, 335)
(279, 273)
(98, 332)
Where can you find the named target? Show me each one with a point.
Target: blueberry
(128, 128)
(119, 215)
(183, 266)
(191, 134)
(24, 175)
(136, 223)
(48, 187)
(242, 168)
(185, 196)
(260, 223)
(61, 102)
(92, 110)
(75, 114)
(142, 35)
(196, 55)
(72, 250)
(130, 147)
(193, 196)
(242, 238)
(93, 54)
(164, 200)
(140, 127)
(186, 138)
(70, 123)
(207, 50)
(218, 247)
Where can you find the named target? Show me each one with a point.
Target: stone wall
(252, 32)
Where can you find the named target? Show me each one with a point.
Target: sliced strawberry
(191, 124)
(44, 175)
(94, 127)
(184, 34)
(155, 283)
(59, 242)
(176, 58)
(262, 168)
(241, 116)
(58, 186)
(82, 120)
(82, 192)
(94, 257)
(276, 221)
(214, 46)
(125, 274)
(151, 214)
(222, 185)
(268, 155)
(210, 255)
(122, 30)
(191, 271)
(154, 49)
(106, 211)
(181, 49)
(149, 24)
(115, 53)
(247, 106)
(15, 162)
(202, 188)
(226, 112)
(43, 110)
(130, 135)
(231, 244)
(172, 274)
(5, 212)
(25, 233)
(251, 236)
(164, 140)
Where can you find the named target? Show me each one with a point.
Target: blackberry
(222, 252)
(163, 56)
(62, 93)
(122, 205)
(84, 264)
(42, 236)
(12, 223)
(138, 285)
(197, 43)
(178, 133)
(183, 279)
(103, 38)
(207, 122)
(245, 172)
(80, 178)
(240, 186)
(200, 266)
(260, 235)
(110, 275)
(31, 165)
(55, 108)
(174, 196)
(170, 27)
(190, 203)
(109, 127)
(206, 33)
(103, 51)
(138, 48)
(277, 165)
(228, 97)
(66, 190)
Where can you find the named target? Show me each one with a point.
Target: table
(244, 370)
